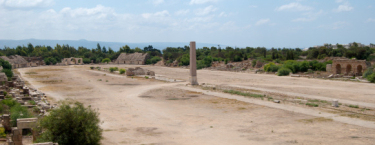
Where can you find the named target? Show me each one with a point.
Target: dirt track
(145, 111)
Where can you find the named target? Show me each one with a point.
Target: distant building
(132, 58)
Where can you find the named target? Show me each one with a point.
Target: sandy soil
(145, 111)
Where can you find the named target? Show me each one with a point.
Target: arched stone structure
(338, 69)
(349, 66)
(72, 61)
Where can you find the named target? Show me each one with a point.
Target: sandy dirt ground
(146, 111)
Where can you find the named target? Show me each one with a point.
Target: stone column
(193, 64)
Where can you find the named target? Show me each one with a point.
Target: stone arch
(359, 70)
(348, 69)
(338, 69)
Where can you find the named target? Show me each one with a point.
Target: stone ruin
(21, 61)
(139, 71)
(18, 91)
(132, 58)
(348, 67)
(71, 61)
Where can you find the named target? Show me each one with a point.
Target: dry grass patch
(316, 120)
(51, 81)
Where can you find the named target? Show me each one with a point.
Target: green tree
(106, 60)
(71, 124)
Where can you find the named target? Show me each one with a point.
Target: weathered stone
(335, 103)
(193, 64)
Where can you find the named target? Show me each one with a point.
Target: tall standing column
(193, 64)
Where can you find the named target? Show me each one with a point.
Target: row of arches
(349, 69)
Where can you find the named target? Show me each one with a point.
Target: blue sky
(268, 23)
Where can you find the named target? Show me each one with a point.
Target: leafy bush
(79, 126)
(2, 132)
(36, 109)
(312, 104)
(32, 102)
(112, 69)
(122, 71)
(283, 71)
(106, 60)
(92, 67)
(9, 102)
(116, 68)
(253, 63)
(86, 60)
(371, 78)
(146, 77)
(155, 59)
(17, 112)
(271, 67)
(368, 72)
(8, 73)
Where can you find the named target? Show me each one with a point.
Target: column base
(193, 80)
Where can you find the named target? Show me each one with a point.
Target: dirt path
(146, 111)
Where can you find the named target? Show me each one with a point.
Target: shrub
(92, 67)
(116, 68)
(106, 60)
(79, 126)
(2, 132)
(146, 77)
(312, 104)
(9, 102)
(368, 72)
(253, 63)
(32, 102)
(271, 67)
(353, 106)
(36, 109)
(283, 71)
(371, 78)
(17, 112)
(112, 69)
(122, 71)
(5, 93)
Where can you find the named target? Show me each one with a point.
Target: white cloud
(262, 22)
(206, 10)
(370, 20)
(182, 12)
(336, 25)
(157, 2)
(309, 16)
(192, 2)
(99, 11)
(164, 13)
(343, 7)
(26, 3)
(294, 7)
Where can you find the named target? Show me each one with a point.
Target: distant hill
(92, 44)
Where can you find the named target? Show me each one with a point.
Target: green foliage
(92, 67)
(371, 78)
(122, 71)
(111, 69)
(243, 94)
(32, 102)
(353, 106)
(312, 104)
(146, 77)
(5, 93)
(17, 112)
(106, 60)
(271, 67)
(9, 102)
(184, 60)
(283, 71)
(153, 60)
(2, 132)
(86, 60)
(253, 63)
(368, 72)
(8, 73)
(71, 124)
(36, 109)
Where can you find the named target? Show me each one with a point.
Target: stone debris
(139, 71)
(18, 91)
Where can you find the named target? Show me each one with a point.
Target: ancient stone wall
(71, 61)
(132, 58)
(349, 67)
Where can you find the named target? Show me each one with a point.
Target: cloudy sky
(269, 23)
